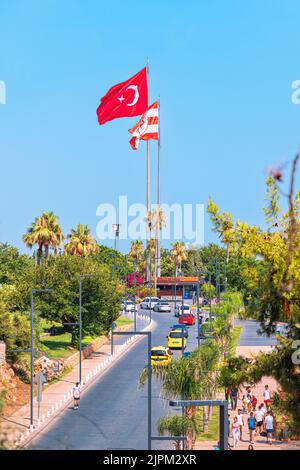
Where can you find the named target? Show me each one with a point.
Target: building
(186, 286)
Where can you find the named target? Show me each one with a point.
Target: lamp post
(82, 276)
(116, 229)
(32, 292)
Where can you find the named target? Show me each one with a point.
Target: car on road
(160, 356)
(162, 306)
(128, 306)
(179, 327)
(175, 339)
(149, 302)
(179, 308)
(188, 319)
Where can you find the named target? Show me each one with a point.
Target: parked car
(149, 302)
(160, 356)
(179, 327)
(128, 306)
(175, 339)
(162, 306)
(179, 308)
(188, 319)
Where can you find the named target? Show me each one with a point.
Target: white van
(147, 304)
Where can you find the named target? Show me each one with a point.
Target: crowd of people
(258, 419)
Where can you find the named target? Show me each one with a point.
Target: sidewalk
(57, 396)
(259, 442)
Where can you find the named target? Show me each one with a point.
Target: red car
(188, 319)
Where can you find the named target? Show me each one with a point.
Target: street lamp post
(135, 265)
(116, 229)
(32, 291)
(82, 276)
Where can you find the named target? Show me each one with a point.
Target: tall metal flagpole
(148, 186)
(158, 190)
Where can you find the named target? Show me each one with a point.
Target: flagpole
(158, 190)
(148, 187)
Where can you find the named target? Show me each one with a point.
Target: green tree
(12, 263)
(46, 233)
(81, 242)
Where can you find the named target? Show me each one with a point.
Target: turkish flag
(125, 99)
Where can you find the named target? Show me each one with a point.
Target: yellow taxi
(175, 339)
(160, 356)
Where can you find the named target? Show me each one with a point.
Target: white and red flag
(146, 128)
(126, 99)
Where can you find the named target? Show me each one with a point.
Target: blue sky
(223, 69)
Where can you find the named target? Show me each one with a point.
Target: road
(113, 411)
(250, 337)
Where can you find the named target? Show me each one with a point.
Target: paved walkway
(259, 442)
(56, 397)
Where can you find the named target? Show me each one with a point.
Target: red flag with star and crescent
(126, 99)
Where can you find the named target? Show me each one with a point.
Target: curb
(25, 437)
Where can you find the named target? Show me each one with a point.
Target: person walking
(241, 422)
(234, 393)
(267, 396)
(259, 418)
(235, 432)
(251, 427)
(76, 395)
(269, 423)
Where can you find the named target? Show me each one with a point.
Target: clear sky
(223, 69)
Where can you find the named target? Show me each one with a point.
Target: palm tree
(136, 249)
(179, 252)
(176, 425)
(81, 242)
(189, 378)
(46, 233)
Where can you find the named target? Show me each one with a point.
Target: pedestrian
(234, 392)
(241, 422)
(235, 432)
(245, 403)
(251, 427)
(269, 423)
(76, 395)
(259, 418)
(227, 393)
(254, 402)
(267, 396)
(250, 447)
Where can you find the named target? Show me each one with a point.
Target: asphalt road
(113, 410)
(250, 335)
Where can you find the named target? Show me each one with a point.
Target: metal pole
(198, 313)
(210, 299)
(126, 267)
(31, 357)
(150, 312)
(149, 393)
(182, 322)
(175, 280)
(80, 329)
(158, 190)
(135, 261)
